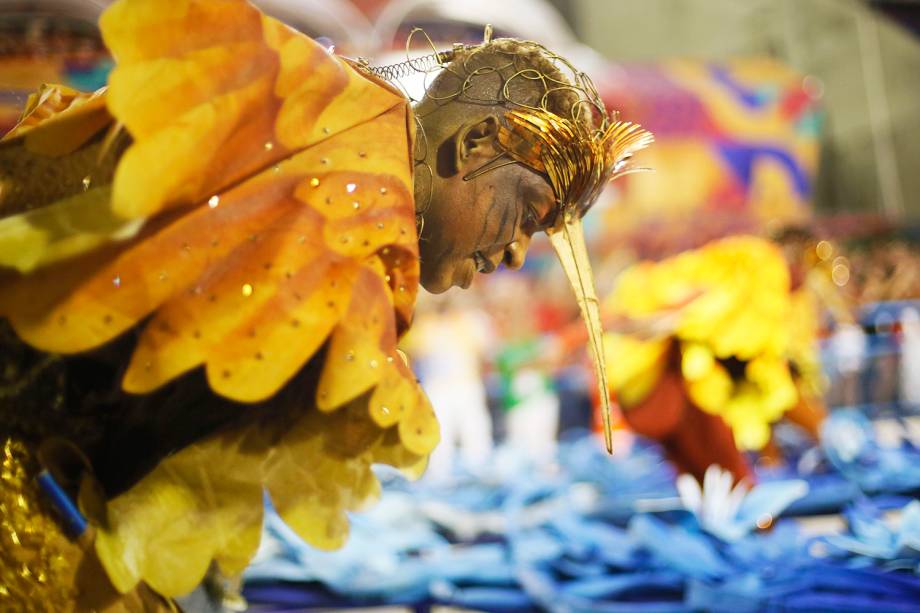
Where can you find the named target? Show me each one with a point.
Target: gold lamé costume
(204, 271)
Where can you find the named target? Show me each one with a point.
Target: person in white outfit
(449, 346)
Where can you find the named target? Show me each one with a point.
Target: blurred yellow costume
(742, 342)
(240, 201)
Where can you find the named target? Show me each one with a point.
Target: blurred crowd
(885, 270)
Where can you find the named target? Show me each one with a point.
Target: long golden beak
(568, 239)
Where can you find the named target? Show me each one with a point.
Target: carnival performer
(725, 344)
(205, 268)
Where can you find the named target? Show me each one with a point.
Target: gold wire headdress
(578, 154)
(577, 160)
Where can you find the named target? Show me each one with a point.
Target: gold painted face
(475, 226)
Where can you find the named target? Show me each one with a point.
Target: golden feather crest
(577, 159)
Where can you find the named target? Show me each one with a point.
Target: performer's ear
(478, 140)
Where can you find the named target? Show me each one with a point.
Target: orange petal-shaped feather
(391, 450)
(402, 267)
(360, 345)
(418, 429)
(394, 395)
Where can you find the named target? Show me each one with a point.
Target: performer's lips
(482, 263)
(477, 263)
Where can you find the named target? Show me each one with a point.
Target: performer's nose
(515, 253)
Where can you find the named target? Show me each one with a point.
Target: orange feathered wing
(269, 173)
(273, 183)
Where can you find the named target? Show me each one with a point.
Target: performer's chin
(438, 284)
(466, 274)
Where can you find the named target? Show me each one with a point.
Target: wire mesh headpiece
(565, 134)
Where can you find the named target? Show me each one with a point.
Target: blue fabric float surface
(595, 533)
